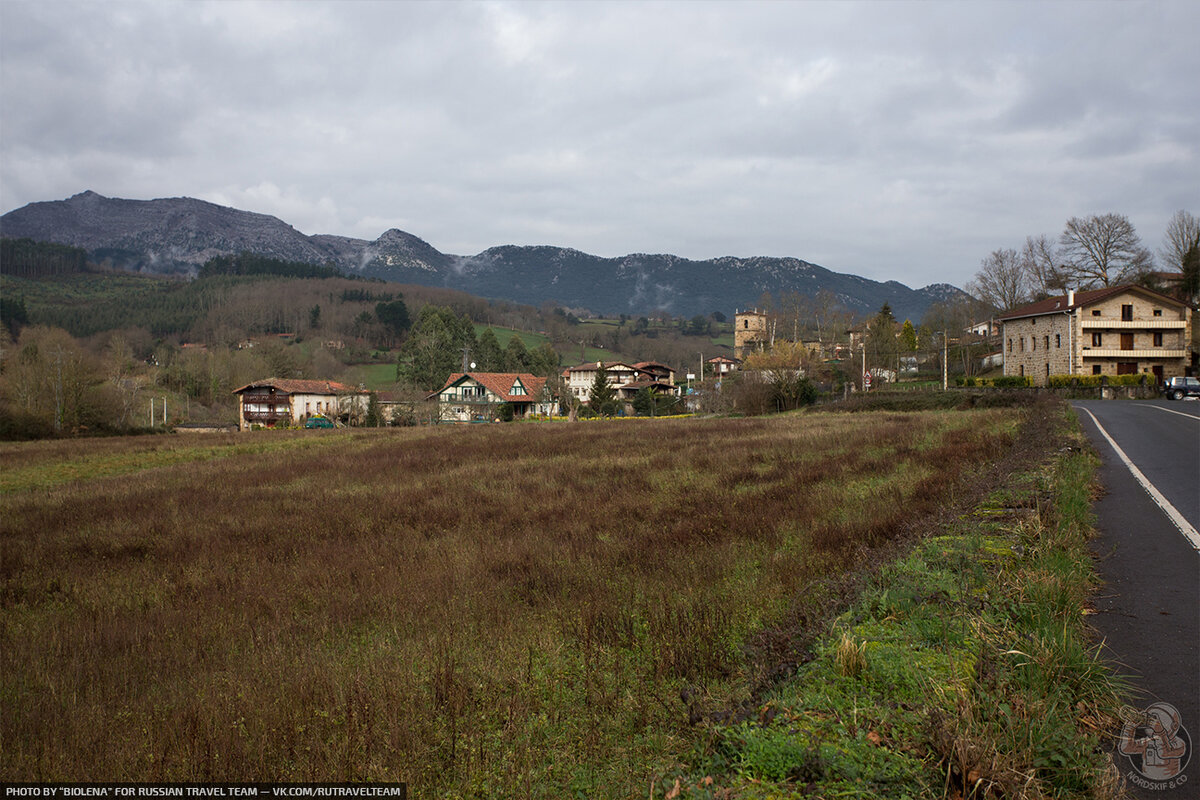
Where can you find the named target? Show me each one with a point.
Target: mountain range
(177, 235)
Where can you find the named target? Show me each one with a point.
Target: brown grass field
(506, 610)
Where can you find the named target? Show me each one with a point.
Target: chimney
(1070, 297)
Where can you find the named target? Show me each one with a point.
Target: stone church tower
(751, 332)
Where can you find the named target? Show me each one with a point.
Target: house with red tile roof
(1117, 330)
(478, 396)
(286, 402)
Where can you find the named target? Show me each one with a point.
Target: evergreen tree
(488, 355)
(543, 361)
(516, 357)
(434, 348)
(394, 317)
(603, 399)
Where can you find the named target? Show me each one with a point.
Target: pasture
(490, 610)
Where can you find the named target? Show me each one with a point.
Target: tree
(908, 337)
(1040, 260)
(488, 355)
(53, 379)
(603, 399)
(393, 317)
(314, 317)
(881, 339)
(1183, 233)
(1189, 287)
(543, 361)
(516, 357)
(1001, 280)
(1103, 250)
(433, 349)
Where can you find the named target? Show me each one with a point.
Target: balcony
(1155, 324)
(1142, 354)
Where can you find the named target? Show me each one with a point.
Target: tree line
(25, 258)
(1091, 252)
(252, 264)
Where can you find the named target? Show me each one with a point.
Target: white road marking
(1172, 513)
(1169, 411)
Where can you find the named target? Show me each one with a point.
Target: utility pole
(945, 354)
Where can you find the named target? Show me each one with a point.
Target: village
(1110, 333)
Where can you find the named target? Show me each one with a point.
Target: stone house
(1119, 330)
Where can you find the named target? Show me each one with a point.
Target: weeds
(965, 670)
(511, 610)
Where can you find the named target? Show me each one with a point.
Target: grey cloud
(895, 140)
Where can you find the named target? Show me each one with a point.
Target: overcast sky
(899, 141)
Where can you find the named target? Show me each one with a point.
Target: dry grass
(505, 610)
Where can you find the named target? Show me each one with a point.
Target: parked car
(1179, 388)
(318, 421)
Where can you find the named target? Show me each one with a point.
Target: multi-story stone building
(751, 331)
(1120, 330)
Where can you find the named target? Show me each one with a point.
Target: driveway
(1148, 556)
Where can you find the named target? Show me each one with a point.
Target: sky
(893, 140)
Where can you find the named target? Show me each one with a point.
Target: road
(1148, 610)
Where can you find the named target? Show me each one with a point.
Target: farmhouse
(282, 402)
(1120, 330)
(626, 379)
(478, 396)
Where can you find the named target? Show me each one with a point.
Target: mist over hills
(177, 235)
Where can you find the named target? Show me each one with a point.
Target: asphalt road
(1148, 609)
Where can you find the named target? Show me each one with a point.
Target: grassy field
(533, 611)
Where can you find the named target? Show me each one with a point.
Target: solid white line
(1172, 513)
(1170, 411)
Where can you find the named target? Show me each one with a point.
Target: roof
(299, 386)
(652, 365)
(720, 360)
(591, 365)
(500, 384)
(1058, 305)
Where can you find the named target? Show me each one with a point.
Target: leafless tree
(1183, 233)
(1040, 260)
(1103, 250)
(1001, 280)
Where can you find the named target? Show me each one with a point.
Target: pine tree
(603, 398)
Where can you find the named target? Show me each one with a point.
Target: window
(1158, 338)
(1127, 312)
(745, 324)
(1046, 342)
(1095, 312)
(1158, 312)
(1047, 369)
(1058, 340)
(1095, 369)
(1033, 343)
(1022, 344)
(1010, 345)
(1022, 370)
(1097, 339)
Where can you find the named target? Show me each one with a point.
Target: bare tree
(1183, 232)
(1103, 250)
(1040, 260)
(1001, 280)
